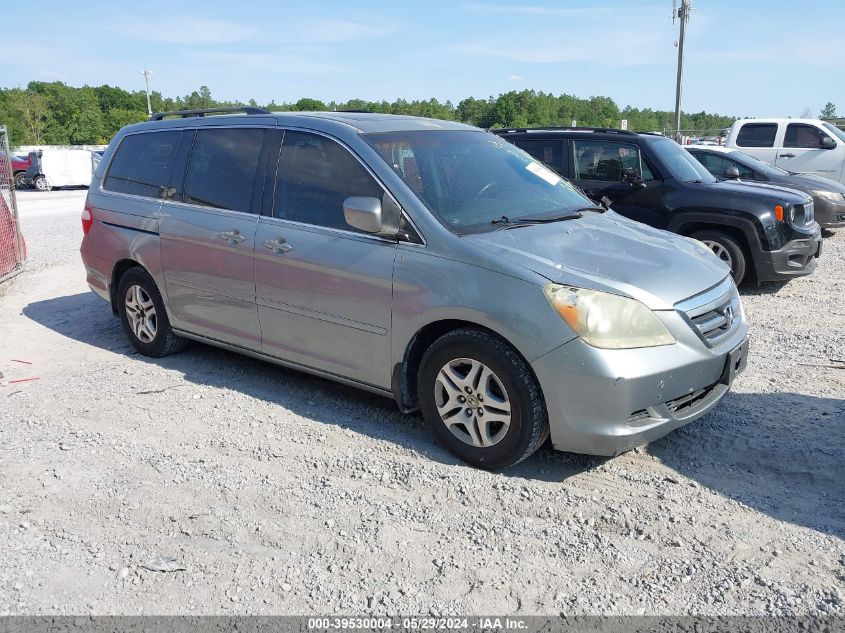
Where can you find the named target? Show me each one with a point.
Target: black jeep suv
(761, 232)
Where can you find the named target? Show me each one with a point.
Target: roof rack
(606, 130)
(158, 116)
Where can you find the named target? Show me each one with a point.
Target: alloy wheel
(141, 314)
(472, 402)
(721, 252)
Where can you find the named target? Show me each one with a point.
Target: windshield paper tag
(543, 172)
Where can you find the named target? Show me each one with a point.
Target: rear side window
(223, 168)
(141, 164)
(546, 151)
(801, 135)
(608, 161)
(315, 176)
(757, 135)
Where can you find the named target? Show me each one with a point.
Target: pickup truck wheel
(143, 316)
(726, 248)
(20, 180)
(481, 399)
(41, 184)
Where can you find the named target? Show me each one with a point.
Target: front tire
(726, 248)
(40, 183)
(143, 316)
(481, 399)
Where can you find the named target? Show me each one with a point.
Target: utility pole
(147, 74)
(683, 16)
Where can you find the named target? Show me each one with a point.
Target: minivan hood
(778, 190)
(611, 253)
(811, 181)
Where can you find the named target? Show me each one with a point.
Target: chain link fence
(11, 242)
(713, 136)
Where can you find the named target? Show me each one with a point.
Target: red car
(19, 167)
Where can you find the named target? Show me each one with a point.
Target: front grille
(715, 313)
(680, 407)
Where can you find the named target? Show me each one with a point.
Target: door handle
(787, 155)
(232, 236)
(279, 245)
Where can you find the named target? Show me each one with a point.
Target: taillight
(87, 220)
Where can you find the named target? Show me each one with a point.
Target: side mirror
(732, 173)
(631, 177)
(828, 143)
(363, 214)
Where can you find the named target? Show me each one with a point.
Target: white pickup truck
(804, 146)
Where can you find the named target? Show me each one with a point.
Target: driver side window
(803, 136)
(315, 175)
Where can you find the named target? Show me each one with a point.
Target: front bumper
(829, 215)
(606, 402)
(796, 258)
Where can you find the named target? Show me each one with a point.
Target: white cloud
(334, 31)
(529, 10)
(516, 78)
(532, 10)
(639, 47)
(188, 30)
(297, 62)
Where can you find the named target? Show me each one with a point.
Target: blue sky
(746, 58)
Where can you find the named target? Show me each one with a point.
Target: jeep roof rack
(158, 116)
(605, 130)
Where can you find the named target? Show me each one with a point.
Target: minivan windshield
(681, 164)
(470, 179)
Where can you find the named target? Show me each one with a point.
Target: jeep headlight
(830, 196)
(607, 321)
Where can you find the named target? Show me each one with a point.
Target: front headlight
(607, 321)
(830, 196)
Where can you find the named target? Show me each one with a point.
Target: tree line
(53, 113)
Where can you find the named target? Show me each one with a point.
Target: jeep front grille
(713, 314)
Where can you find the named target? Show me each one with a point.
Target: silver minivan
(424, 260)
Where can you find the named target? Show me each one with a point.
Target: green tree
(309, 105)
(828, 111)
(30, 111)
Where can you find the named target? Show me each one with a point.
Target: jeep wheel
(726, 248)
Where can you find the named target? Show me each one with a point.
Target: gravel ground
(275, 492)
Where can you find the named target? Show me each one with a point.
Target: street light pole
(147, 74)
(683, 16)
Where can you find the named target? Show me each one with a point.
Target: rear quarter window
(141, 164)
(757, 135)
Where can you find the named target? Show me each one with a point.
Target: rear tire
(143, 316)
(726, 248)
(20, 180)
(481, 399)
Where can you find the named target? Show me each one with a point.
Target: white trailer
(63, 168)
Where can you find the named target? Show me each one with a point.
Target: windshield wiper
(506, 223)
(597, 209)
